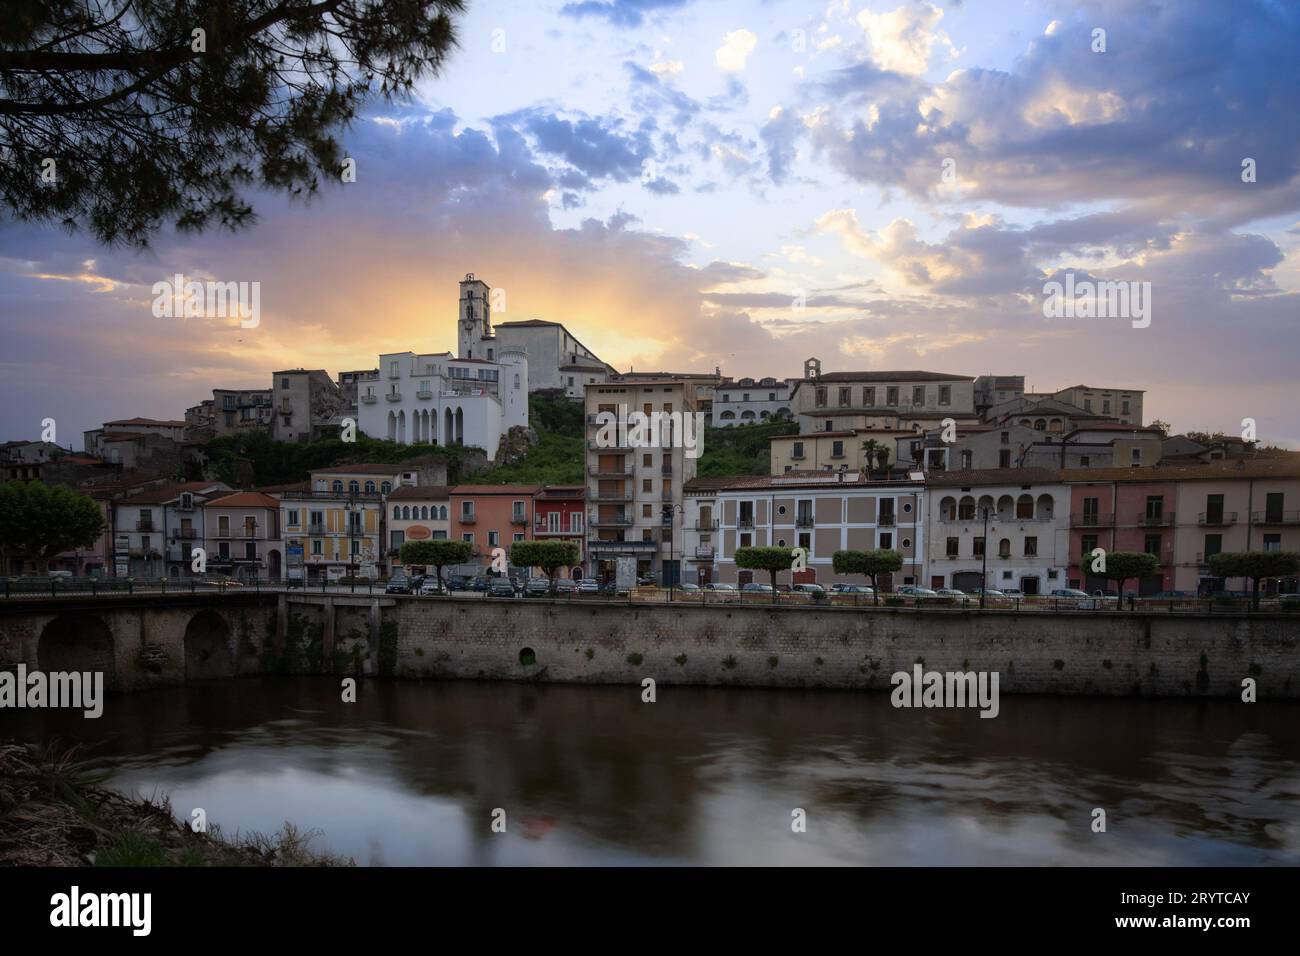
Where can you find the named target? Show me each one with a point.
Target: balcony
(666, 496)
(616, 444)
(745, 523)
(610, 496)
(321, 494)
(144, 524)
(468, 518)
(803, 521)
(424, 394)
(612, 471)
(885, 521)
(315, 529)
(393, 396)
(184, 534)
(1275, 517)
(1216, 519)
(666, 469)
(613, 521)
(518, 517)
(369, 399)
(1092, 520)
(706, 526)
(542, 527)
(595, 546)
(1156, 521)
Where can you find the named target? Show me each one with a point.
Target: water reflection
(411, 773)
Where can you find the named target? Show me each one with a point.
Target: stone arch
(1025, 507)
(207, 647)
(1046, 507)
(78, 642)
(460, 425)
(948, 508)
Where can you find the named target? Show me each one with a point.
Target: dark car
(501, 587)
(399, 584)
(480, 583)
(537, 587)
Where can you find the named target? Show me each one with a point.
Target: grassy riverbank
(55, 811)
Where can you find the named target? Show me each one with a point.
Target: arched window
(1025, 507)
(370, 487)
(1040, 425)
(338, 486)
(386, 487)
(424, 513)
(442, 513)
(948, 509)
(406, 512)
(354, 486)
(1004, 548)
(397, 512)
(966, 508)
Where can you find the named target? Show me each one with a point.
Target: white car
(950, 592)
(1012, 592)
(809, 589)
(430, 585)
(719, 586)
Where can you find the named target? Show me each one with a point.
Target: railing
(745, 523)
(615, 521)
(319, 494)
(1092, 521)
(518, 518)
(666, 496)
(1216, 519)
(885, 521)
(803, 521)
(616, 471)
(666, 469)
(316, 529)
(424, 393)
(468, 519)
(706, 525)
(184, 534)
(1275, 517)
(1156, 521)
(611, 496)
(393, 396)
(369, 399)
(617, 443)
(144, 524)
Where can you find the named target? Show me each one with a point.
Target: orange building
(491, 516)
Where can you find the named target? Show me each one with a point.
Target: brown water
(411, 774)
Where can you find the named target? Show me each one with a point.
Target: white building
(442, 400)
(556, 359)
(746, 401)
(1026, 543)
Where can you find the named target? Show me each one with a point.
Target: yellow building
(335, 528)
(829, 450)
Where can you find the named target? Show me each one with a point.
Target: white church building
(556, 359)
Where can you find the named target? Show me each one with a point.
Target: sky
(691, 184)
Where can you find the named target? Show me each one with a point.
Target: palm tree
(870, 448)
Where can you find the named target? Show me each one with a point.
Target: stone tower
(475, 318)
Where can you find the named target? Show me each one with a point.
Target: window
(316, 548)
(370, 487)
(291, 517)
(518, 536)
(494, 538)
(1155, 507)
(1105, 406)
(1090, 510)
(284, 383)
(805, 542)
(647, 484)
(868, 398)
(397, 512)
(886, 540)
(386, 487)
(918, 394)
(1213, 545)
(966, 459)
(837, 449)
(1123, 407)
(1272, 542)
(647, 511)
(1089, 542)
(1151, 544)
(1273, 507)
(891, 395)
(1084, 461)
(406, 512)
(1004, 458)
(1004, 548)
(647, 461)
(845, 399)
(1031, 547)
(746, 540)
(1087, 404)
(1136, 456)
(337, 486)
(467, 510)
(1213, 509)
(977, 549)
(945, 394)
(820, 398)
(953, 547)
(517, 511)
(798, 450)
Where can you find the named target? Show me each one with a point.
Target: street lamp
(669, 511)
(984, 559)
(348, 509)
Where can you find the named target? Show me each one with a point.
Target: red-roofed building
(491, 516)
(243, 536)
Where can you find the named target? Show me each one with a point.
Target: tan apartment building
(830, 451)
(1124, 404)
(335, 527)
(635, 475)
(416, 513)
(838, 401)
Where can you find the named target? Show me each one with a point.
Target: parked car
(688, 586)
(851, 589)
(480, 583)
(719, 586)
(398, 584)
(760, 588)
(430, 586)
(915, 591)
(565, 585)
(949, 592)
(1012, 592)
(647, 583)
(987, 592)
(808, 589)
(537, 587)
(588, 586)
(501, 587)
(1072, 594)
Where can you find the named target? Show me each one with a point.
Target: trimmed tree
(550, 556)
(439, 554)
(1122, 565)
(1255, 565)
(771, 560)
(39, 521)
(871, 563)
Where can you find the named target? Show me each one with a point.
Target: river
(412, 773)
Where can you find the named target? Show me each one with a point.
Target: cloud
(903, 39)
(735, 50)
(621, 13)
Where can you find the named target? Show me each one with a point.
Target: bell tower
(475, 323)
